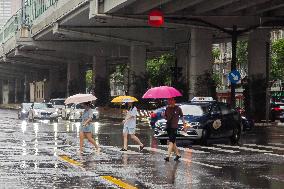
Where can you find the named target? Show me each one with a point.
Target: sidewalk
(10, 106)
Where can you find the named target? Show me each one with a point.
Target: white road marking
(268, 147)
(243, 148)
(276, 144)
(193, 150)
(278, 155)
(182, 159)
(116, 149)
(219, 149)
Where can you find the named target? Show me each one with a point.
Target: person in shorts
(129, 127)
(86, 126)
(172, 115)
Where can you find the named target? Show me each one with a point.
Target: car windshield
(49, 105)
(58, 102)
(40, 106)
(27, 106)
(79, 106)
(194, 110)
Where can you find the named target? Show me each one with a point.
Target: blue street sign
(234, 76)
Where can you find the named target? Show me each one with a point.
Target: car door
(215, 121)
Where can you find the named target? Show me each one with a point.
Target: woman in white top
(130, 126)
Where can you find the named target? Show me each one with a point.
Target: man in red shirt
(172, 115)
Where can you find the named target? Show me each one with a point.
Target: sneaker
(122, 149)
(167, 159)
(141, 148)
(177, 158)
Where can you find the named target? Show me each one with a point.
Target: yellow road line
(108, 178)
(71, 161)
(118, 182)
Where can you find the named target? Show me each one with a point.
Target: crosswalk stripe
(116, 149)
(278, 155)
(243, 148)
(268, 147)
(219, 149)
(187, 150)
(182, 159)
(276, 144)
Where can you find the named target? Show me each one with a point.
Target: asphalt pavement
(45, 155)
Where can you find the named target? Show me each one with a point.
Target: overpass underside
(60, 40)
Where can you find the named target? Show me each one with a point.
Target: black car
(206, 119)
(276, 109)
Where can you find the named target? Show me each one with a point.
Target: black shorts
(172, 132)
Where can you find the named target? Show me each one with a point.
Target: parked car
(281, 117)
(206, 119)
(77, 111)
(24, 110)
(276, 109)
(65, 113)
(43, 111)
(58, 103)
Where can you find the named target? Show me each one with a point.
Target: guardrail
(31, 10)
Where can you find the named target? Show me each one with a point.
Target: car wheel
(163, 141)
(282, 120)
(236, 136)
(204, 138)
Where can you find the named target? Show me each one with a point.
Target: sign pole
(234, 64)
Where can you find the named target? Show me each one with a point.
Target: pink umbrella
(80, 98)
(162, 92)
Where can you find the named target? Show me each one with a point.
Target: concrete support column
(182, 56)
(136, 71)
(200, 69)
(258, 53)
(101, 80)
(75, 79)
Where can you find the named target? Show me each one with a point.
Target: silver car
(77, 111)
(43, 111)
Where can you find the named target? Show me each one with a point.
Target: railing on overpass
(35, 8)
(32, 10)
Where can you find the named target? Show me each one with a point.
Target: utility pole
(234, 64)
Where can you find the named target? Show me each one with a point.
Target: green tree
(159, 69)
(216, 53)
(277, 60)
(242, 54)
(89, 79)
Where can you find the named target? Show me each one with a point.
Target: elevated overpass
(69, 35)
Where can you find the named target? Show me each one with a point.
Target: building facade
(7, 9)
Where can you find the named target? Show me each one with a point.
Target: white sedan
(77, 111)
(43, 111)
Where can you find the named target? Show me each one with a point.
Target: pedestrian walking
(172, 115)
(86, 126)
(130, 127)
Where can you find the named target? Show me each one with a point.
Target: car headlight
(56, 109)
(24, 111)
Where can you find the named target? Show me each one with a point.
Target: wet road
(45, 155)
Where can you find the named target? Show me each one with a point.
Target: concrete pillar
(101, 80)
(136, 68)
(56, 84)
(257, 65)
(200, 69)
(182, 56)
(75, 79)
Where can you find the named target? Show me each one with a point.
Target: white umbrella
(80, 98)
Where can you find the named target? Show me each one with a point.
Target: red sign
(156, 18)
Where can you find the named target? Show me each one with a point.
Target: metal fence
(31, 10)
